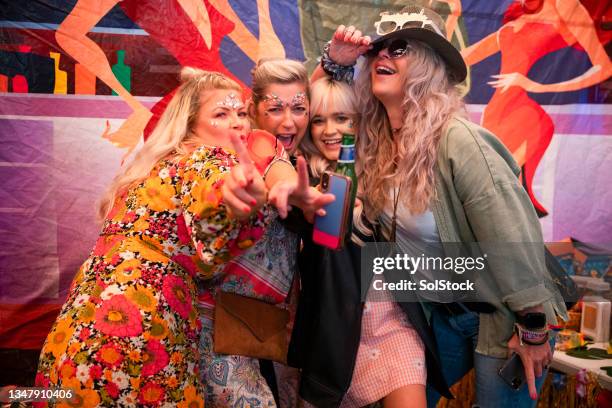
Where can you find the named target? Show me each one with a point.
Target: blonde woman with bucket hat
(428, 176)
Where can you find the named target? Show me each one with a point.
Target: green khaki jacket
(480, 199)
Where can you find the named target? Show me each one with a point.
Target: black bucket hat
(422, 24)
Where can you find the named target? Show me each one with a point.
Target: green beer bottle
(346, 163)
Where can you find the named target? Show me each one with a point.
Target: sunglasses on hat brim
(397, 48)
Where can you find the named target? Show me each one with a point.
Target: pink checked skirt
(391, 355)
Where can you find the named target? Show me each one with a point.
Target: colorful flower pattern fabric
(264, 271)
(128, 333)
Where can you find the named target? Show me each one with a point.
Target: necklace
(396, 196)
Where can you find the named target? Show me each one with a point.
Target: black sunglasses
(397, 48)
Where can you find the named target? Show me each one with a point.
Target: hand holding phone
(513, 372)
(329, 230)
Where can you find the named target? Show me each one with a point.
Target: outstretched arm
(576, 22)
(481, 50)
(244, 187)
(216, 235)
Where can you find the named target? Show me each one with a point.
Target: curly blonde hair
(406, 160)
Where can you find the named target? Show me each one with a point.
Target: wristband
(531, 337)
(336, 71)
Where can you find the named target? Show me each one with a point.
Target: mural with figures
(82, 82)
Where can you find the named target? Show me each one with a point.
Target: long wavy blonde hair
(325, 95)
(405, 160)
(173, 137)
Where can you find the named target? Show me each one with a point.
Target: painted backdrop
(81, 80)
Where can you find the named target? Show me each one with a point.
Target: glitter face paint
(231, 101)
(272, 100)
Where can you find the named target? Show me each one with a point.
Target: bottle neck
(348, 140)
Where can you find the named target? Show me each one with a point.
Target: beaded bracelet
(531, 337)
(336, 71)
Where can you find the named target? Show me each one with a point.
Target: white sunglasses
(397, 21)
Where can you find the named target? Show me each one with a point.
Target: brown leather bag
(250, 327)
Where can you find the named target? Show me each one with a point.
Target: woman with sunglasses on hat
(429, 176)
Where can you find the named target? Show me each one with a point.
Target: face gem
(231, 101)
(298, 99)
(274, 100)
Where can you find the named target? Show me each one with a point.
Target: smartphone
(512, 372)
(330, 229)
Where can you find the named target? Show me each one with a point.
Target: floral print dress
(128, 333)
(265, 271)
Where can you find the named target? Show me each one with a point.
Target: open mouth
(332, 142)
(382, 70)
(286, 139)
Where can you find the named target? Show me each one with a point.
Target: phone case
(512, 372)
(329, 230)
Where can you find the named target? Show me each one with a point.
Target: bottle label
(347, 154)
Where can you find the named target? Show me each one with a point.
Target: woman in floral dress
(129, 330)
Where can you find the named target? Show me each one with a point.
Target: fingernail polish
(253, 202)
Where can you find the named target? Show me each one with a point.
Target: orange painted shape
(84, 81)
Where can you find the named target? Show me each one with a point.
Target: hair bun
(191, 73)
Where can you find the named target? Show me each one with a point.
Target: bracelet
(336, 71)
(531, 337)
(274, 161)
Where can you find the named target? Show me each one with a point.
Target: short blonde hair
(277, 71)
(326, 95)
